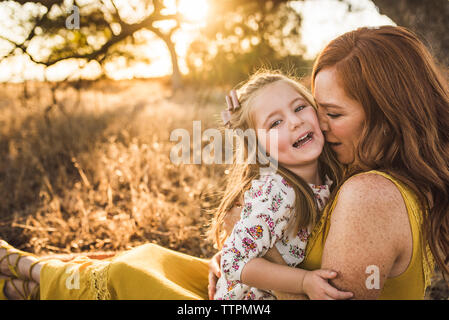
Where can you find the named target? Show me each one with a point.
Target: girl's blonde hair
(241, 175)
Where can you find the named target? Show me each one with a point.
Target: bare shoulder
(369, 226)
(371, 209)
(369, 194)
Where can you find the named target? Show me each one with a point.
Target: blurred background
(90, 91)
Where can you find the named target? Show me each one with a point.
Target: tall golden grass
(90, 169)
(86, 168)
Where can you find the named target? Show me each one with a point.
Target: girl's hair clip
(226, 117)
(233, 103)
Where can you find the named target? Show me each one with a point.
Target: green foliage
(104, 32)
(252, 35)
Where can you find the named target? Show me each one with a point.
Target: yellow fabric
(145, 272)
(2, 288)
(411, 284)
(154, 272)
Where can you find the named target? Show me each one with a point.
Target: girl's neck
(309, 172)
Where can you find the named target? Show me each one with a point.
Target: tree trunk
(428, 19)
(176, 78)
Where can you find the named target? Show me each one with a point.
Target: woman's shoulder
(370, 184)
(371, 192)
(368, 226)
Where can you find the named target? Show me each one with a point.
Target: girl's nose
(295, 122)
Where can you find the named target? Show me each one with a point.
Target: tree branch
(99, 54)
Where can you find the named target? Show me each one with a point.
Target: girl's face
(279, 108)
(341, 118)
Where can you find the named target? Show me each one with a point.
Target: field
(85, 167)
(92, 171)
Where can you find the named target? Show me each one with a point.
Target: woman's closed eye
(333, 115)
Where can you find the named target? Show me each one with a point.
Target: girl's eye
(274, 124)
(333, 115)
(299, 108)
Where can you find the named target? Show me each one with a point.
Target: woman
(389, 111)
(384, 109)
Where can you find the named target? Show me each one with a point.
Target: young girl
(281, 205)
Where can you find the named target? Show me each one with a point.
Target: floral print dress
(266, 214)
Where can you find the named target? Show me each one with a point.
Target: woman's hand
(214, 274)
(315, 284)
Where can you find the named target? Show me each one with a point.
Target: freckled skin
(370, 224)
(368, 227)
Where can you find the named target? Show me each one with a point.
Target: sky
(323, 20)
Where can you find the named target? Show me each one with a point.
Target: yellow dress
(147, 272)
(153, 272)
(412, 283)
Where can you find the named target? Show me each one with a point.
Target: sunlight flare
(193, 10)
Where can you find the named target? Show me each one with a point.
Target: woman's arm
(369, 231)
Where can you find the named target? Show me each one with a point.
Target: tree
(241, 36)
(428, 19)
(101, 30)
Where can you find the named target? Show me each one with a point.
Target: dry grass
(92, 172)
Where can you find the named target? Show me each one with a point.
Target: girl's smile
(303, 140)
(278, 108)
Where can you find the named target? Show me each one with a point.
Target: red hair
(405, 97)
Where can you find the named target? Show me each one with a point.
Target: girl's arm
(274, 256)
(271, 261)
(265, 275)
(265, 215)
(369, 232)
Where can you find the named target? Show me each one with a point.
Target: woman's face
(341, 117)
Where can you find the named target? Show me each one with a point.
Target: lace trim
(428, 266)
(98, 282)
